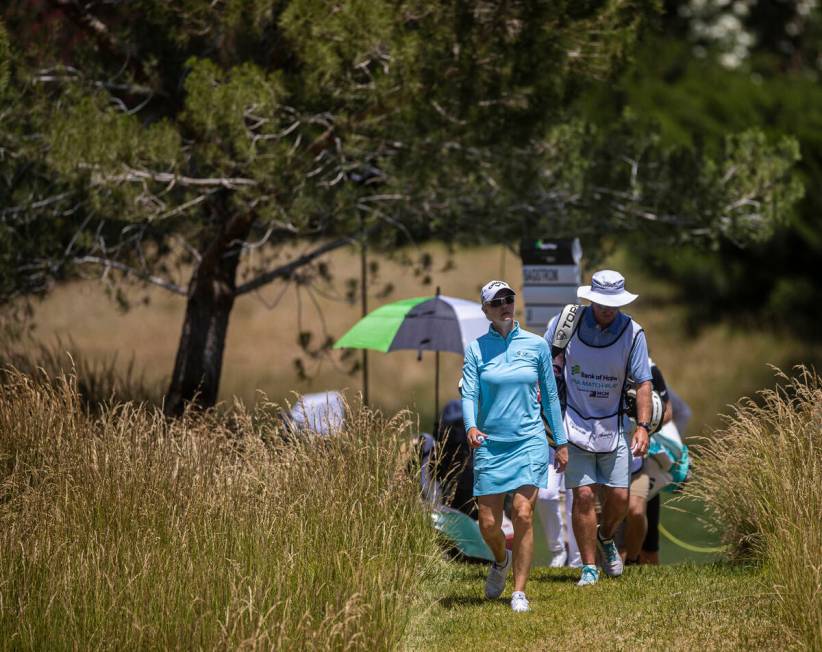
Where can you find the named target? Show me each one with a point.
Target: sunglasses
(504, 301)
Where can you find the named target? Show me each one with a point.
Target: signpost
(551, 276)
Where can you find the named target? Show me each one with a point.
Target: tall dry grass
(761, 478)
(121, 530)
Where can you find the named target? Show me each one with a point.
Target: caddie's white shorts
(611, 469)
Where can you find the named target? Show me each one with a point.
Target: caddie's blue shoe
(611, 561)
(590, 575)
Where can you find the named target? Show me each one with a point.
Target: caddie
(596, 349)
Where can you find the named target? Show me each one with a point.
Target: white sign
(551, 276)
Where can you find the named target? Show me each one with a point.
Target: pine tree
(185, 135)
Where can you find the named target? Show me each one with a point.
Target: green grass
(682, 607)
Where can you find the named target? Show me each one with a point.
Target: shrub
(761, 478)
(97, 379)
(122, 530)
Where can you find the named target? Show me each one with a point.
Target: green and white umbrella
(437, 323)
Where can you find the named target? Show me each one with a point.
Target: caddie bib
(595, 379)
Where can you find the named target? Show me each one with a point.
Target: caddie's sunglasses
(496, 303)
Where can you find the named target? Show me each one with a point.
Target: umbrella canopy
(438, 323)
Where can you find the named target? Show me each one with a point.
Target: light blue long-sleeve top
(500, 376)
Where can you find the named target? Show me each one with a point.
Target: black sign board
(559, 251)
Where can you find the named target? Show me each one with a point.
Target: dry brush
(761, 478)
(121, 529)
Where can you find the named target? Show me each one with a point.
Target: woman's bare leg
(490, 524)
(523, 549)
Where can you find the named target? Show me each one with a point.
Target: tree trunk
(211, 294)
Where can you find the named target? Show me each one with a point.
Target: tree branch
(143, 276)
(115, 48)
(182, 208)
(172, 179)
(91, 23)
(284, 271)
(42, 203)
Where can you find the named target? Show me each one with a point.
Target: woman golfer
(502, 408)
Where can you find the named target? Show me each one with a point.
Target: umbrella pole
(365, 377)
(436, 394)
(364, 301)
(437, 387)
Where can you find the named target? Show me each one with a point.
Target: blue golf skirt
(502, 466)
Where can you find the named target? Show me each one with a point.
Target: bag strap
(623, 407)
(567, 325)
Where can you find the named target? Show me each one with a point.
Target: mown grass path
(676, 607)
